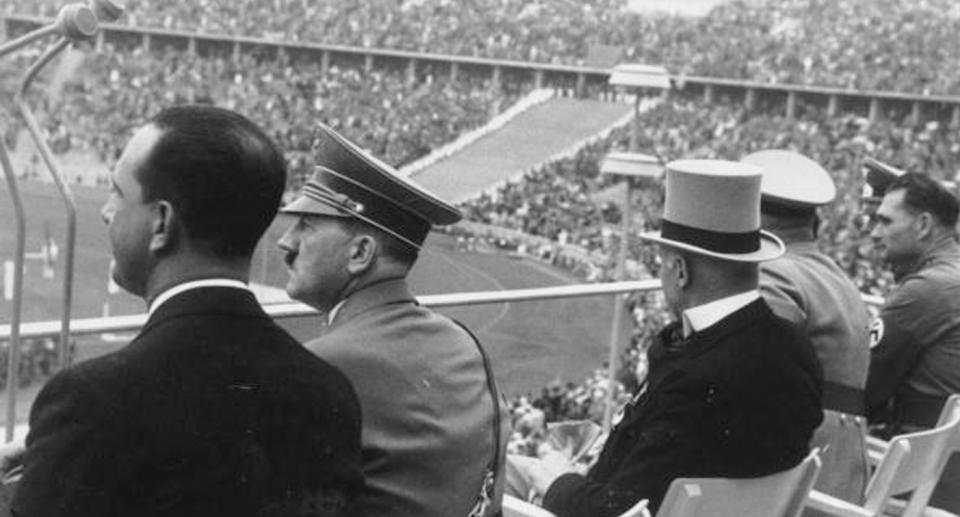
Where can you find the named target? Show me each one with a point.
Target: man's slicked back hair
(925, 194)
(221, 172)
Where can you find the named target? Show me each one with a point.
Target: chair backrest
(951, 408)
(514, 507)
(912, 465)
(777, 495)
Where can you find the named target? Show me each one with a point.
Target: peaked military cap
(350, 182)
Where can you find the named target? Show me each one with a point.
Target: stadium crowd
(841, 44)
(896, 45)
(382, 111)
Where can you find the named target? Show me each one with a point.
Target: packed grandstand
(843, 43)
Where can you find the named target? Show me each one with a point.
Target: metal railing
(114, 324)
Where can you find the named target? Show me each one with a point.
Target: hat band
(719, 242)
(380, 215)
(783, 210)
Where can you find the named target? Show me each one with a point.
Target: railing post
(192, 46)
(538, 78)
(708, 94)
(454, 71)
(916, 112)
(146, 41)
(581, 84)
(955, 116)
(368, 63)
(495, 77)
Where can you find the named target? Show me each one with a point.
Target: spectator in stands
(434, 431)
(212, 409)
(807, 288)
(915, 359)
(732, 391)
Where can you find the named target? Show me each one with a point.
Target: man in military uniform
(915, 359)
(434, 431)
(733, 390)
(806, 287)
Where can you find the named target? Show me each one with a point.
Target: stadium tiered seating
(901, 45)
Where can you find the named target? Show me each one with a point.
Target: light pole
(630, 165)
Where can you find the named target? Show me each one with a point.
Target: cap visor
(306, 205)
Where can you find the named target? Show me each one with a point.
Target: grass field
(530, 343)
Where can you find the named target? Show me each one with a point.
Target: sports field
(530, 343)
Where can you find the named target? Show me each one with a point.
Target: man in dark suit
(434, 431)
(212, 409)
(732, 391)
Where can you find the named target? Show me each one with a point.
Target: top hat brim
(771, 248)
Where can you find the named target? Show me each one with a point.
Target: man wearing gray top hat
(807, 287)
(732, 390)
(434, 431)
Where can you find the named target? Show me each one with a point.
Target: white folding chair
(877, 447)
(911, 466)
(777, 495)
(513, 507)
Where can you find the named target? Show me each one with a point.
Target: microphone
(107, 10)
(74, 22)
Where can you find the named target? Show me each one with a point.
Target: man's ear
(363, 253)
(163, 228)
(682, 266)
(924, 224)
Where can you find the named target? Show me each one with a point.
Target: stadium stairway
(541, 128)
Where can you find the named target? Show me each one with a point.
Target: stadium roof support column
(833, 106)
(581, 85)
(916, 113)
(750, 99)
(411, 71)
(495, 76)
(791, 105)
(875, 113)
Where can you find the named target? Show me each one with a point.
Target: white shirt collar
(332, 315)
(704, 316)
(194, 284)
